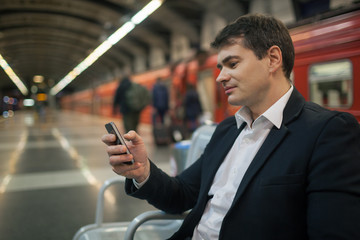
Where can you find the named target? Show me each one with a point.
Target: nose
(223, 76)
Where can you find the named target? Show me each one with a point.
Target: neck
(272, 96)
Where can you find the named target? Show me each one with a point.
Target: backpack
(137, 97)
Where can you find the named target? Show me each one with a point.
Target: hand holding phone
(111, 128)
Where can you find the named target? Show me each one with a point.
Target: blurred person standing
(130, 99)
(160, 101)
(193, 108)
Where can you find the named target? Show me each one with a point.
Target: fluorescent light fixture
(107, 44)
(120, 33)
(8, 70)
(146, 11)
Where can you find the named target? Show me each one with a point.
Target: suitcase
(161, 135)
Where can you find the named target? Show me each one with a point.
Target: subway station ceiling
(51, 37)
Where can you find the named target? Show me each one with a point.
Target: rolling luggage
(161, 135)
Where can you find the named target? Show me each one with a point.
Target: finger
(128, 171)
(108, 139)
(116, 150)
(120, 160)
(125, 170)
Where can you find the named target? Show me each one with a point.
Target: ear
(275, 57)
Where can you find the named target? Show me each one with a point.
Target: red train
(327, 56)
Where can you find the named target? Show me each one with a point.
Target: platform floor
(51, 168)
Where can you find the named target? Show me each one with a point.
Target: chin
(234, 103)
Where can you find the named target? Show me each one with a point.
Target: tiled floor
(51, 168)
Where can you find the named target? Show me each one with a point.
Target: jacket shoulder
(320, 112)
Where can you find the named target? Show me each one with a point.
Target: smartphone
(111, 128)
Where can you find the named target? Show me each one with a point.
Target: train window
(331, 84)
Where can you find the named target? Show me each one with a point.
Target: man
(281, 168)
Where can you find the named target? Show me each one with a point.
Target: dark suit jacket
(304, 183)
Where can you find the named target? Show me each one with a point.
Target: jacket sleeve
(180, 193)
(170, 194)
(333, 190)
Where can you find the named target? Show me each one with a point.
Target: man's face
(244, 77)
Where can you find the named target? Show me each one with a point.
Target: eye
(233, 64)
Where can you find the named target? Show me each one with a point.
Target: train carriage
(327, 62)
(325, 71)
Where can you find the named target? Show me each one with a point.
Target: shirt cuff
(139, 185)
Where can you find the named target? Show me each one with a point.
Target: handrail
(100, 199)
(147, 216)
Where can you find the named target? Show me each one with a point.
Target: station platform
(51, 169)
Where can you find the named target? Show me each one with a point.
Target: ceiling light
(107, 44)
(146, 11)
(38, 79)
(8, 70)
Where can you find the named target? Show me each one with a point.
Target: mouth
(228, 89)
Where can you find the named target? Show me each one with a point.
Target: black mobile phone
(111, 128)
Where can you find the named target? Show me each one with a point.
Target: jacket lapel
(274, 138)
(291, 111)
(227, 142)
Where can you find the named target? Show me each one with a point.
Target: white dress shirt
(237, 161)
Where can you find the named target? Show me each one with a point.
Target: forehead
(231, 51)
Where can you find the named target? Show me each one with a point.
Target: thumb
(133, 137)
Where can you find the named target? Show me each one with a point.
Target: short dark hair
(259, 33)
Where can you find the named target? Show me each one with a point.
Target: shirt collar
(243, 115)
(274, 114)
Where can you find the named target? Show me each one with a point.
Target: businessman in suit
(281, 168)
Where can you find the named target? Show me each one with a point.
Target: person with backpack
(130, 99)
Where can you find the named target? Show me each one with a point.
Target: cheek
(250, 74)
(257, 76)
